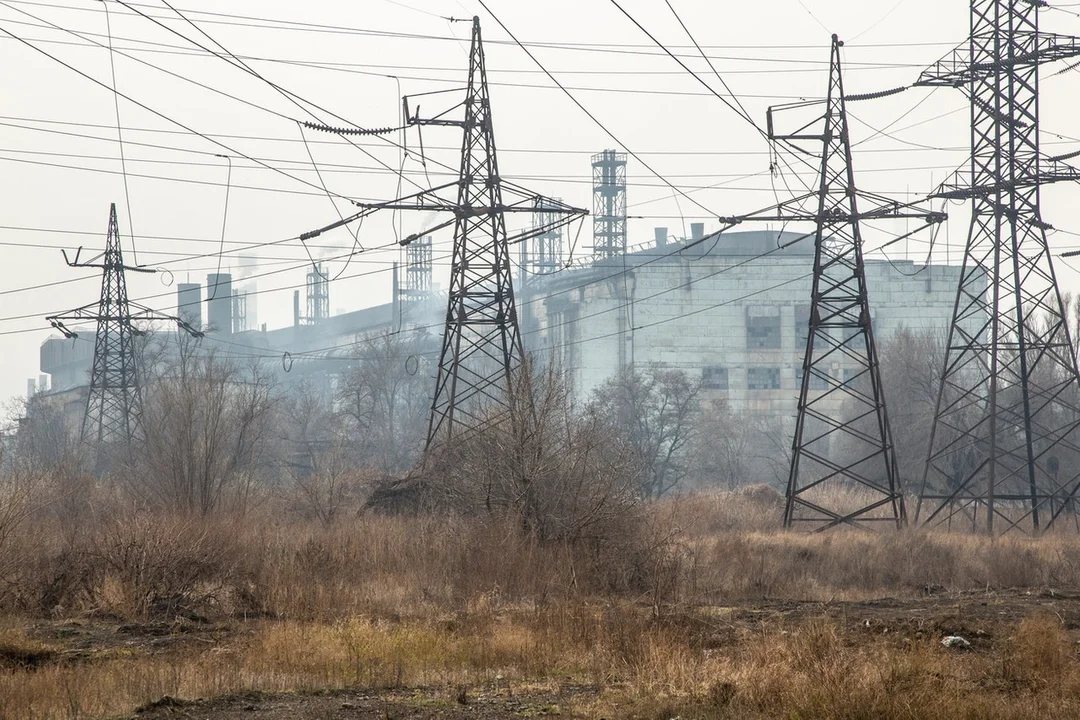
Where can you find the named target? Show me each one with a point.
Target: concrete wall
(691, 312)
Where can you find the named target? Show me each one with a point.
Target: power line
(149, 109)
(354, 169)
(292, 97)
(740, 110)
(540, 151)
(220, 18)
(162, 48)
(450, 81)
(592, 117)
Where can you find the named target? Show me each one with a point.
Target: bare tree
(722, 447)
(911, 365)
(563, 476)
(43, 435)
(207, 421)
(318, 458)
(384, 398)
(656, 411)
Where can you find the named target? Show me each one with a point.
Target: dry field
(706, 610)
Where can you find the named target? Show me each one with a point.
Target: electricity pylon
(1004, 449)
(842, 435)
(114, 403)
(481, 347)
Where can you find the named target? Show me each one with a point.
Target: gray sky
(54, 120)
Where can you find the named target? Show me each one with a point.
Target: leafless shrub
(152, 566)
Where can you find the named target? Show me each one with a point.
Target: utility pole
(842, 434)
(1003, 444)
(114, 404)
(481, 347)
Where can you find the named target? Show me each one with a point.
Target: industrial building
(731, 310)
(740, 326)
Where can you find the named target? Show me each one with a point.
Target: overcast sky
(61, 156)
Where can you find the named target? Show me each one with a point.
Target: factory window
(817, 382)
(802, 325)
(763, 378)
(714, 378)
(763, 328)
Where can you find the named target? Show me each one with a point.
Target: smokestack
(189, 304)
(296, 308)
(661, 236)
(697, 230)
(43, 383)
(395, 300)
(219, 302)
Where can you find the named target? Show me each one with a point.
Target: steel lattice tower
(418, 269)
(840, 332)
(609, 203)
(1003, 450)
(842, 435)
(114, 404)
(318, 294)
(416, 288)
(543, 254)
(481, 346)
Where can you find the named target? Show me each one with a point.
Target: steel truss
(114, 404)
(1004, 451)
(842, 435)
(481, 348)
(543, 255)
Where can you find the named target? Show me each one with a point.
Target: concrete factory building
(732, 310)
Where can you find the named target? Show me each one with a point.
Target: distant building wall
(739, 326)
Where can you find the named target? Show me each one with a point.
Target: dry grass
(818, 669)
(284, 605)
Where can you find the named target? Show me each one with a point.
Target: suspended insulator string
(351, 131)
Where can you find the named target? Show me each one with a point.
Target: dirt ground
(983, 618)
(426, 703)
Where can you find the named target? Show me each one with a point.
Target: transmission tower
(114, 404)
(842, 435)
(481, 346)
(1003, 450)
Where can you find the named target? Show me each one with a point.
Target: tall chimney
(697, 230)
(219, 302)
(189, 304)
(296, 308)
(661, 236)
